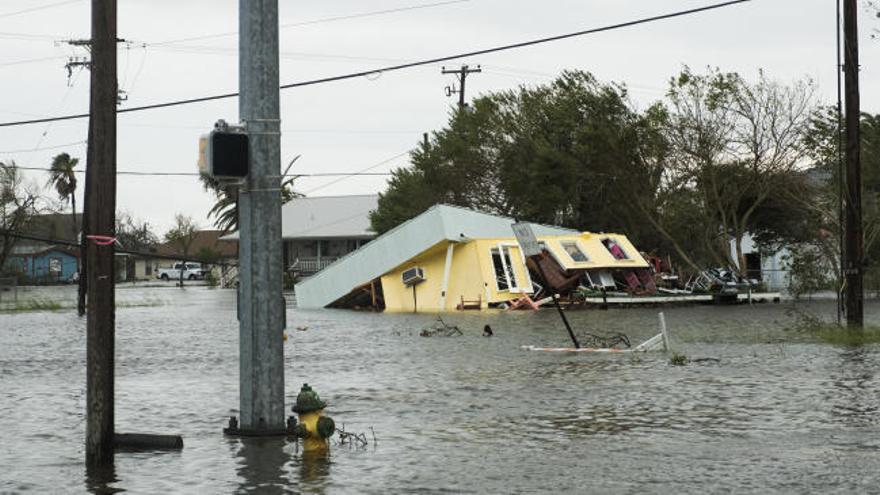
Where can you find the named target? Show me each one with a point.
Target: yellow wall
(471, 276)
(472, 273)
(598, 256)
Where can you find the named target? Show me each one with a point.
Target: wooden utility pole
(101, 208)
(854, 243)
(462, 76)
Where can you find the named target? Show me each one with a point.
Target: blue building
(43, 264)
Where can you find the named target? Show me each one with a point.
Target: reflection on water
(314, 471)
(766, 413)
(100, 480)
(854, 387)
(262, 465)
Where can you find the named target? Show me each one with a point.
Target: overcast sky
(352, 125)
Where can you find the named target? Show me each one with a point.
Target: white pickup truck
(191, 271)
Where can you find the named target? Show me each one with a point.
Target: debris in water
(357, 440)
(678, 359)
(615, 340)
(441, 329)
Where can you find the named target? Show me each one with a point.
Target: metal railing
(312, 265)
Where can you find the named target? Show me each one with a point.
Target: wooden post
(101, 207)
(854, 242)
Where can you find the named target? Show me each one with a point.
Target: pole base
(234, 431)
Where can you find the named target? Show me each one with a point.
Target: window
(614, 248)
(574, 251)
(504, 276)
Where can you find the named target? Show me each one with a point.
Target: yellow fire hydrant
(314, 428)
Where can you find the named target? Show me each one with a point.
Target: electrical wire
(391, 68)
(359, 172)
(33, 150)
(34, 9)
(197, 174)
(316, 21)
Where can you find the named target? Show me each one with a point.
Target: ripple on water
(462, 415)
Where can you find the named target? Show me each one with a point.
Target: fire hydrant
(314, 428)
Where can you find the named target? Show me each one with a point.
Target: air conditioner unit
(413, 276)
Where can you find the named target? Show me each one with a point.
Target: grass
(31, 305)
(814, 328)
(35, 305)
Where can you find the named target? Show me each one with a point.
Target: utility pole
(261, 319)
(462, 76)
(101, 208)
(854, 243)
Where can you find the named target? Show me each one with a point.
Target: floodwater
(468, 414)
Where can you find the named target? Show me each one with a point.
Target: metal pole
(574, 340)
(854, 242)
(101, 207)
(262, 317)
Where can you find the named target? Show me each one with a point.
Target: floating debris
(614, 340)
(357, 440)
(678, 359)
(441, 329)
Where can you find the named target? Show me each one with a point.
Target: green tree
(732, 141)
(62, 177)
(572, 153)
(225, 209)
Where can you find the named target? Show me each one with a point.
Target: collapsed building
(452, 258)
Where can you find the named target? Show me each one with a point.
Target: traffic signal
(223, 154)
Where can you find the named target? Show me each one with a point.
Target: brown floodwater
(772, 412)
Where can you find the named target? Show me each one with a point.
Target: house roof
(326, 217)
(407, 240)
(203, 239)
(56, 226)
(28, 250)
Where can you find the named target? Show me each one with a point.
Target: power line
(197, 174)
(32, 150)
(30, 61)
(316, 21)
(34, 9)
(409, 65)
(359, 172)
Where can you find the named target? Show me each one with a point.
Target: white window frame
(577, 245)
(503, 247)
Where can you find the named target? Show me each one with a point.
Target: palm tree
(63, 179)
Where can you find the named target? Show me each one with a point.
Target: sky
(177, 50)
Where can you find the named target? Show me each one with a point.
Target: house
(317, 231)
(48, 261)
(771, 268)
(450, 257)
(43, 264)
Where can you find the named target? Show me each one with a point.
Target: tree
(62, 178)
(822, 141)
(135, 235)
(18, 206)
(734, 142)
(182, 236)
(225, 209)
(571, 153)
